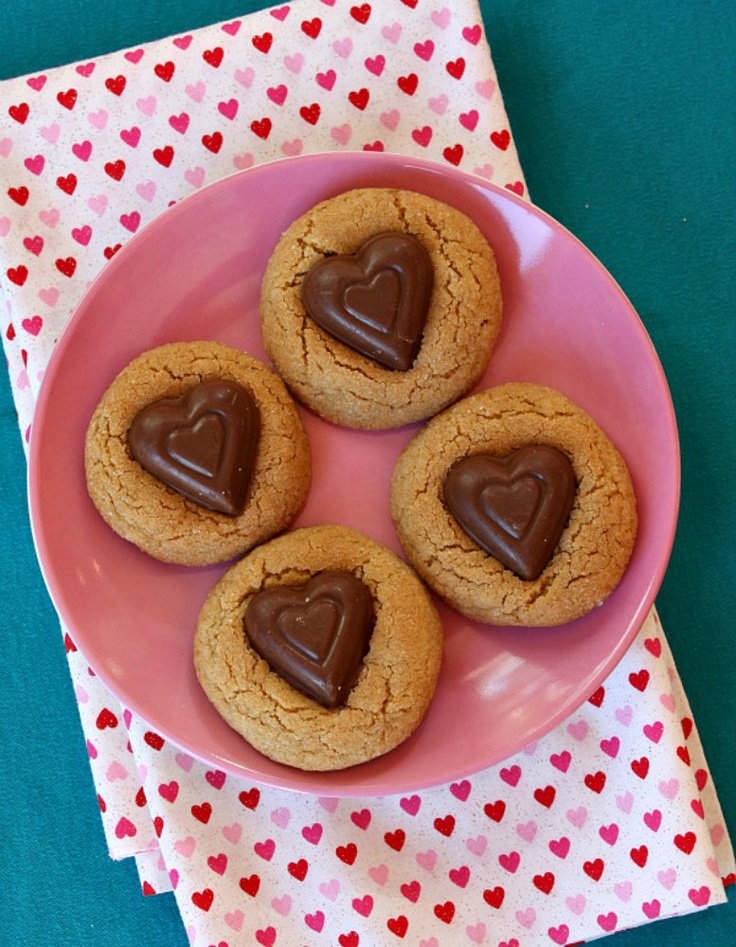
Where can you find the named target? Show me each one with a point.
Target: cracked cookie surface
(594, 548)
(461, 328)
(156, 518)
(394, 687)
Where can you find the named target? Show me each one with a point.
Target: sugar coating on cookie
(149, 513)
(462, 322)
(595, 545)
(395, 684)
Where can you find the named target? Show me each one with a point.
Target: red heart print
(545, 796)
(398, 925)
(359, 98)
(639, 855)
(250, 798)
(351, 939)
(153, 739)
(312, 28)
(639, 679)
(213, 57)
(445, 826)
(261, 127)
(594, 869)
(67, 183)
(298, 869)
(453, 154)
(640, 767)
(19, 195)
(202, 813)
(68, 98)
(456, 67)
(203, 899)
(250, 884)
(17, 274)
(445, 912)
(408, 84)
(19, 112)
(494, 896)
(311, 113)
(262, 42)
(362, 13)
(116, 84)
(544, 882)
(595, 781)
(106, 719)
(213, 142)
(496, 810)
(395, 840)
(115, 169)
(347, 853)
(596, 699)
(516, 187)
(165, 70)
(164, 155)
(686, 842)
(501, 139)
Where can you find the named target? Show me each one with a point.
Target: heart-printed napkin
(608, 822)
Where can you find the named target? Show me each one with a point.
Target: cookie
(196, 452)
(517, 439)
(396, 676)
(380, 307)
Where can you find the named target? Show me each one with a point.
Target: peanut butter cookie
(380, 307)
(196, 452)
(479, 491)
(281, 703)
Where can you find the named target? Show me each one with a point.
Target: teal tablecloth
(623, 116)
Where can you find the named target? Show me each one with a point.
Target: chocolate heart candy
(202, 444)
(314, 636)
(514, 507)
(376, 300)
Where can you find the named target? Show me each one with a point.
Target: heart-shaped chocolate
(202, 444)
(375, 300)
(316, 635)
(514, 507)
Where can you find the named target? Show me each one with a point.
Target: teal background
(623, 114)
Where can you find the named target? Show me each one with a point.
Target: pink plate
(195, 273)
